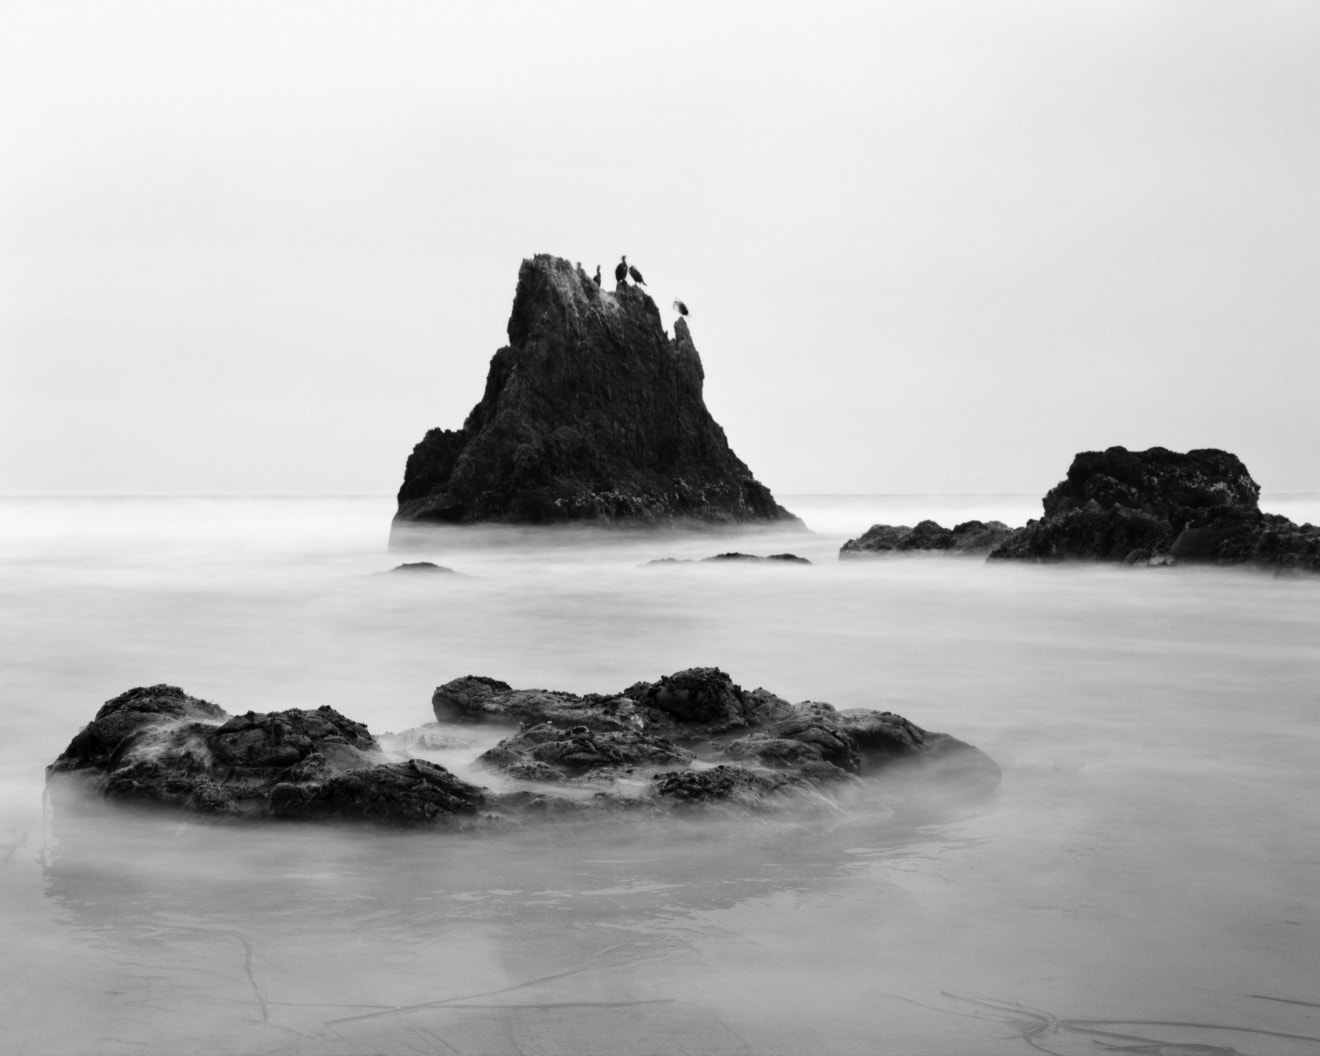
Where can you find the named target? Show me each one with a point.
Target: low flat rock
(969, 537)
(423, 568)
(735, 557)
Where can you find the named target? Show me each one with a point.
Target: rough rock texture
(591, 413)
(687, 739)
(759, 743)
(970, 537)
(731, 785)
(548, 752)
(1154, 507)
(159, 745)
(1161, 507)
(1157, 481)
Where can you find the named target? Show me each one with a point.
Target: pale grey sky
(261, 247)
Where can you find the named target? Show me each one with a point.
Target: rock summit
(591, 413)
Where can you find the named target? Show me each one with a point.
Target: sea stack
(591, 413)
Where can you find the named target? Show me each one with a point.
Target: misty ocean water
(1144, 880)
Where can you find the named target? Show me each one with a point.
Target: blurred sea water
(1143, 878)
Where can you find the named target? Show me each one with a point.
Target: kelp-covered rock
(689, 738)
(590, 413)
(1162, 507)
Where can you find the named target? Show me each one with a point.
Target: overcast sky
(260, 248)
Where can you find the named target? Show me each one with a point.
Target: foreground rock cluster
(691, 739)
(591, 413)
(1154, 507)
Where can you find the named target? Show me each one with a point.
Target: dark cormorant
(621, 269)
(596, 278)
(636, 276)
(680, 307)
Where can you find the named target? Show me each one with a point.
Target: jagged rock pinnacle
(591, 412)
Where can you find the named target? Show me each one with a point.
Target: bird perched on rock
(596, 278)
(636, 276)
(621, 269)
(680, 307)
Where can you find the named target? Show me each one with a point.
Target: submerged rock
(591, 413)
(690, 738)
(1158, 507)
(423, 567)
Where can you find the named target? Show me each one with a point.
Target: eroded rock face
(591, 413)
(1154, 507)
(688, 739)
(1156, 481)
(159, 745)
(701, 717)
(1161, 507)
(548, 752)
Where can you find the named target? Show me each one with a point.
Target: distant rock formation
(786, 559)
(591, 413)
(1154, 507)
(690, 738)
(970, 537)
(1161, 507)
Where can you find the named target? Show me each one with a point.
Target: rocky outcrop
(688, 739)
(970, 537)
(696, 717)
(422, 567)
(1154, 507)
(1163, 483)
(591, 413)
(159, 745)
(1161, 507)
(733, 556)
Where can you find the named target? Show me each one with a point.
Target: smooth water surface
(1144, 881)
